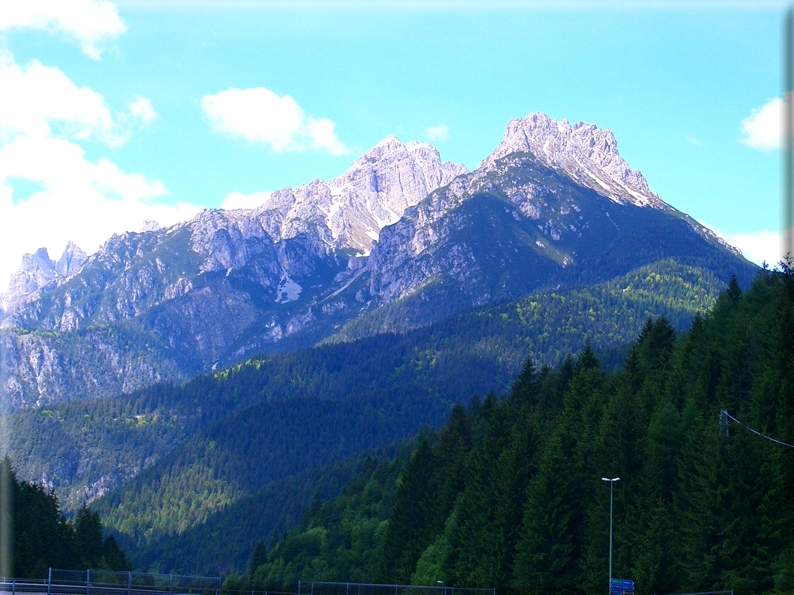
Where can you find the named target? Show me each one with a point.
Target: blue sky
(112, 113)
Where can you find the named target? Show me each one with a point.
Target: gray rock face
(71, 261)
(521, 222)
(346, 213)
(39, 274)
(588, 154)
(37, 369)
(349, 211)
(400, 232)
(199, 288)
(37, 271)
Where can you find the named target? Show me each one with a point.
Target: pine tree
(88, 535)
(113, 556)
(547, 554)
(475, 537)
(413, 522)
(258, 557)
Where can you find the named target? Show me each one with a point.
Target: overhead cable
(728, 415)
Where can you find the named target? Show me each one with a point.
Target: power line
(724, 413)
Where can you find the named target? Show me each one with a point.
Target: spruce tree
(258, 557)
(88, 536)
(547, 554)
(413, 522)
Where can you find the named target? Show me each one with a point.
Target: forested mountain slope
(509, 493)
(40, 537)
(85, 449)
(401, 239)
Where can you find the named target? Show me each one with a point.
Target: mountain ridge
(227, 284)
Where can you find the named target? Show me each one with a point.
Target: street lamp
(611, 485)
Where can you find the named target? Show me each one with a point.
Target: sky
(114, 113)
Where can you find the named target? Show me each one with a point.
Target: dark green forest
(41, 537)
(211, 467)
(508, 493)
(88, 443)
(259, 424)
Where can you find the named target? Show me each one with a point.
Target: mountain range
(398, 241)
(186, 380)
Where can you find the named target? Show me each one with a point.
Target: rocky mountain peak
(586, 153)
(346, 213)
(36, 271)
(71, 260)
(381, 184)
(39, 272)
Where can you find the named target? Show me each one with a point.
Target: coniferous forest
(41, 537)
(509, 493)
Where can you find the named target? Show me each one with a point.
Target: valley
(227, 374)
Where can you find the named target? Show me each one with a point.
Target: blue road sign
(621, 582)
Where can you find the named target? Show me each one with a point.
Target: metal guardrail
(706, 593)
(327, 588)
(103, 582)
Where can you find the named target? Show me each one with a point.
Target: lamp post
(611, 485)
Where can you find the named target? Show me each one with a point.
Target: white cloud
(438, 132)
(39, 101)
(763, 128)
(142, 109)
(90, 22)
(43, 117)
(238, 200)
(85, 216)
(759, 246)
(35, 97)
(260, 116)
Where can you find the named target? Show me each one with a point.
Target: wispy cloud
(456, 5)
(259, 115)
(41, 101)
(238, 200)
(89, 22)
(438, 132)
(142, 109)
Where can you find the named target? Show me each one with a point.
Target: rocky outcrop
(588, 154)
(36, 272)
(39, 274)
(401, 230)
(350, 211)
(211, 289)
(72, 259)
(41, 368)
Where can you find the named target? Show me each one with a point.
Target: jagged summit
(71, 260)
(164, 304)
(583, 151)
(38, 271)
(346, 213)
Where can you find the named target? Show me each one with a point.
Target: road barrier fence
(106, 582)
(326, 588)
